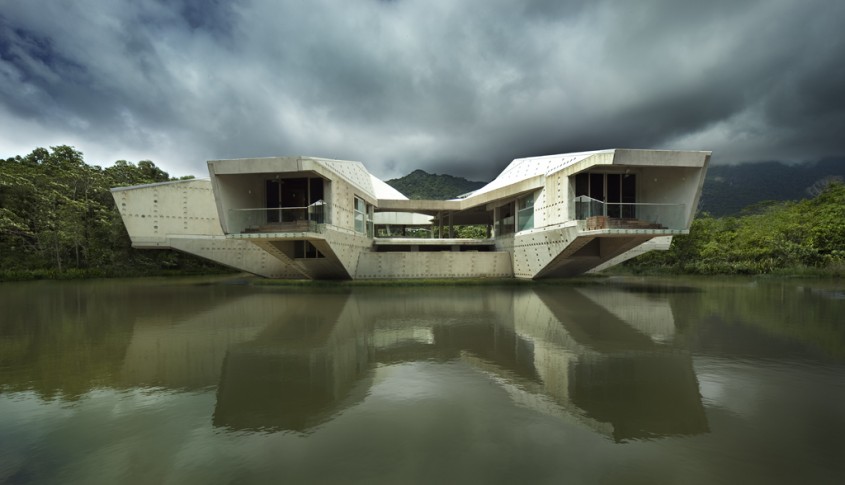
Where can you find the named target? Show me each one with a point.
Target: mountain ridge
(420, 184)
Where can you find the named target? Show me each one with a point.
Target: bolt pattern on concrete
(434, 265)
(354, 172)
(184, 215)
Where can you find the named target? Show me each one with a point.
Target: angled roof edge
(350, 171)
(158, 184)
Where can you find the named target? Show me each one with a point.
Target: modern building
(306, 217)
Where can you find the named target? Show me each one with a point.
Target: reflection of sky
(781, 419)
(728, 387)
(468, 430)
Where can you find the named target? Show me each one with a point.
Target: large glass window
(506, 219)
(525, 213)
(363, 217)
(616, 193)
(295, 199)
(360, 215)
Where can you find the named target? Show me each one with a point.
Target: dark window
(306, 250)
(629, 195)
(614, 195)
(597, 186)
(316, 190)
(273, 200)
(582, 184)
(506, 223)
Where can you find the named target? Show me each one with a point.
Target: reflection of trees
(60, 340)
(65, 339)
(642, 395)
(765, 319)
(612, 356)
(292, 359)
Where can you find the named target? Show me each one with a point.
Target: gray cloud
(455, 87)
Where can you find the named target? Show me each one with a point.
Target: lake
(617, 380)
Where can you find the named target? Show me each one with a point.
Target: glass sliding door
(616, 193)
(629, 196)
(525, 213)
(273, 197)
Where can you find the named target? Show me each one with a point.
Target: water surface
(626, 381)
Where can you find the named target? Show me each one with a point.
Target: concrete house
(306, 217)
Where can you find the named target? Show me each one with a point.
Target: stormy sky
(449, 86)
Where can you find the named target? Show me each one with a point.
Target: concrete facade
(305, 217)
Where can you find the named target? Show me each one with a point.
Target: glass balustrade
(279, 219)
(627, 215)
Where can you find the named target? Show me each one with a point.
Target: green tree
(57, 214)
(770, 237)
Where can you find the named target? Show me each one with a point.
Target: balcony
(627, 215)
(279, 220)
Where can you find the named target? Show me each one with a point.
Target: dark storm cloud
(456, 87)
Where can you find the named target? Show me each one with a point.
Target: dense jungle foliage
(58, 219)
(803, 237)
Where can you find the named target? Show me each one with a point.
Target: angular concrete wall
(434, 265)
(153, 212)
(183, 215)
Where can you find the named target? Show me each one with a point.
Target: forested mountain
(420, 184)
(728, 189)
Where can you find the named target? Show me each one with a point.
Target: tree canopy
(57, 217)
(767, 238)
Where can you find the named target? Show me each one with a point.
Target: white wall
(669, 186)
(152, 212)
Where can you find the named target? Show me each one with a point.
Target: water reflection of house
(303, 217)
(299, 370)
(606, 360)
(557, 351)
(181, 345)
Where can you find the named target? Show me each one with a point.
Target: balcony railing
(279, 219)
(626, 215)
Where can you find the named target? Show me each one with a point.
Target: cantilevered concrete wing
(308, 217)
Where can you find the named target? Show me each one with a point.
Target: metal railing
(629, 214)
(279, 219)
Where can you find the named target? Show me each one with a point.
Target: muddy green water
(697, 381)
